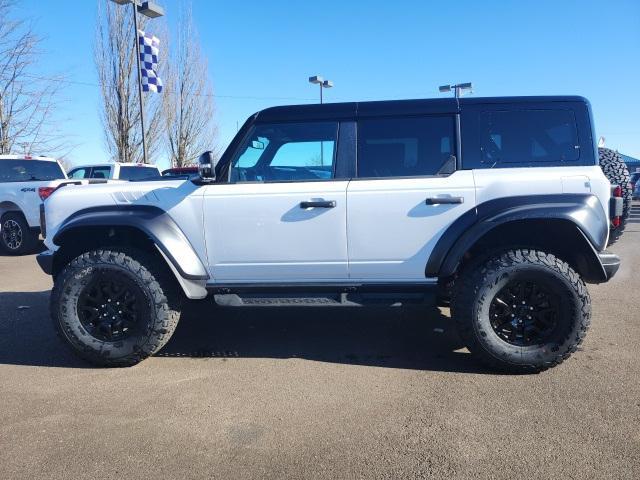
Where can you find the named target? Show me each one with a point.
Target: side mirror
(206, 167)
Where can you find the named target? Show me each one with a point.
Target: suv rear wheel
(521, 310)
(16, 237)
(115, 307)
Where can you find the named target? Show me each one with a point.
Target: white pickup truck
(24, 182)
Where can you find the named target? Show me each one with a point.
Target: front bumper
(610, 263)
(45, 260)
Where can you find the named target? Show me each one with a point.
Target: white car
(116, 171)
(496, 206)
(21, 178)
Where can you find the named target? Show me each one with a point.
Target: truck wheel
(115, 307)
(521, 311)
(16, 237)
(616, 171)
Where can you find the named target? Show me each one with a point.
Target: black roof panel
(331, 111)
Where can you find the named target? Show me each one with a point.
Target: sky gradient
(261, 53)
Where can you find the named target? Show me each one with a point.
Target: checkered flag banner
(149, 49)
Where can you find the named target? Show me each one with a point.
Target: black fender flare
(582, 210)
(152, 221)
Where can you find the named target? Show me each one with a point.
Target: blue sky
(261, 53)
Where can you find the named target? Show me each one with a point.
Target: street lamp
(457, 88)
(318, 80)
(151, 10)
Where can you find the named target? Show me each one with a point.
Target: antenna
(457, 88)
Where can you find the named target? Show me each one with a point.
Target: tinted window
(286, 152)
(138, 173)
(29, 170)
(528, 136)
(101, 172)
(79, 173)
(404, 147)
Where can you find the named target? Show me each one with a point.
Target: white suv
(116, 171)
(494, 206)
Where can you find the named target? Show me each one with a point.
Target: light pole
(318, 80)
(151, 10)
(457, 88)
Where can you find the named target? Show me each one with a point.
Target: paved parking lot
(317, 393)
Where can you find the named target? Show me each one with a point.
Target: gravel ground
(317, 393)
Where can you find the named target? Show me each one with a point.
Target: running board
(325, 300)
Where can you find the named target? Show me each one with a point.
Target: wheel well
(9, 207)
(560, 237)
(76, 241)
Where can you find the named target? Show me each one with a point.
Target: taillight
(617, 191)
(45, 192)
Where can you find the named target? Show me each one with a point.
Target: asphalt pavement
(317, 393)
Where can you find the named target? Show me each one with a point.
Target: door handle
(444, 200)
(318, 204)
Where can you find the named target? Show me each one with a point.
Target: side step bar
(323, 295)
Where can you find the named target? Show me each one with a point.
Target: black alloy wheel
(524, 313)
(110, 307)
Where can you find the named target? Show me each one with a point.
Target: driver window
(286, 152)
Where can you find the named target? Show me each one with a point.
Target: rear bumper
(610, 263)
(45, 260)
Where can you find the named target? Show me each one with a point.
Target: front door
(282, 215)
(406, 194)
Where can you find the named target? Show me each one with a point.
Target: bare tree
(115, 58)
(28, 102)
(189, 106)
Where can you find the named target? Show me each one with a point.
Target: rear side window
(138, 173)
(29, 171)
(404, 147)
(100, 172)
(80, 172)
(528, 136)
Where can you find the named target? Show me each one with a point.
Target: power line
(100, 85)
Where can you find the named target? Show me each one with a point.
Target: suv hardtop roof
(394, 107)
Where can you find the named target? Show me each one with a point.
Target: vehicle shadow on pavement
(410, 337)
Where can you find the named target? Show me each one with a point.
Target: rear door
(407, 192)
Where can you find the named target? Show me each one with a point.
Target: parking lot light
(318, 80)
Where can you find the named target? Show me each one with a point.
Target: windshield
(138, 173)
(29, 171)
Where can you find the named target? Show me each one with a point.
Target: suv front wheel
(115, 307)
(521, 310)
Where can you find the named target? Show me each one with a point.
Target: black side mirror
(206, 166)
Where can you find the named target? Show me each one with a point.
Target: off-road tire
(618, 174)
(162, 298)
(28, 238)
(480, 282)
